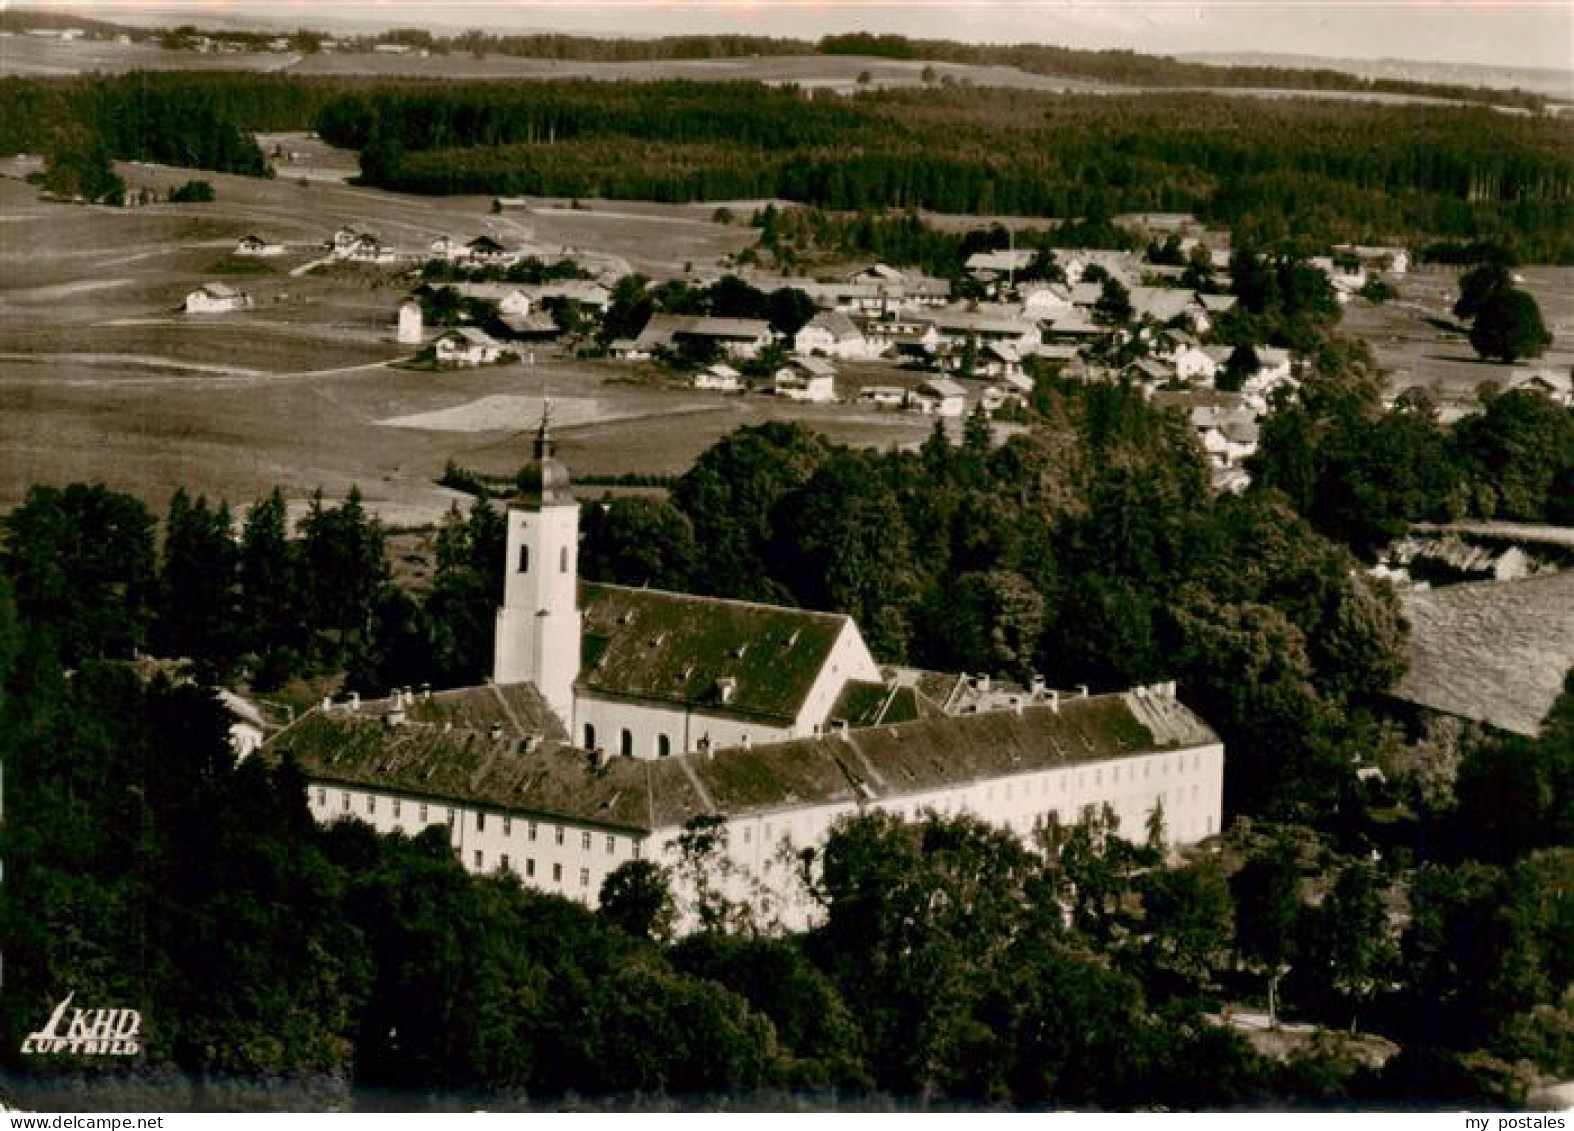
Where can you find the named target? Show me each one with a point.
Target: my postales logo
(87, 1032)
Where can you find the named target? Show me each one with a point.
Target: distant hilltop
(1540, 80)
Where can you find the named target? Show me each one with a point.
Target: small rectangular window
(559, 831)
(557, 873)
(584, 842)
(530, 866)
(612, 844)
(584, 877)
(371, 804)
(450, 817)
(322, 796)
(531, 832)
(346, 801)
(480, 822)
(503, 862)
(423, 812)
(396, 806)
(479, 858)
(508, 826)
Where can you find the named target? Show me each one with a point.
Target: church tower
(538, 625)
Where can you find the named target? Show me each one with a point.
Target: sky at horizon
(1520, 33)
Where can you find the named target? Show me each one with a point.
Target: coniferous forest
(1273, 170)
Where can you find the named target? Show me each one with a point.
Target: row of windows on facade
(529, 873)
(532, 828)
(626, 742)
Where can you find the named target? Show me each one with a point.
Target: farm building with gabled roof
(1495, 652)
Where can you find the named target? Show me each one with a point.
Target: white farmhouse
(940, 396)
(719, 378)
(216, 298)
(810, 379)
(252, 246)
(833, 334)
(467, 345)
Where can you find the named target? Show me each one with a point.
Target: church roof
(466, 765)
(721, 656)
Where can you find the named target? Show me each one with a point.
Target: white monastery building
(617, 715)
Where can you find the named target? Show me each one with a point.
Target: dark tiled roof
(674, 648)
(866, 704)
(1496, 651)
(884, 762)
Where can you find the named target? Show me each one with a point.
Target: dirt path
(198, 375)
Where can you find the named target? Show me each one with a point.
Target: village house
(616, 716)
(1389, 260)
(1194, 363)
(719, 378)
(809, 379)
(992, 266)
(939, 396)
(909, 336)
(883, 396)
(1344, 274)
(358, 247)
(484, 251)
(444, 247)
(1008, 392)
(216, 298)
(983, 326)
(1075, 261)
(584, 292)
(1042, 301)
(509, 298)
(833, 334)
(1557, 386)
(738, 338)
(467, 345)
(252, 245)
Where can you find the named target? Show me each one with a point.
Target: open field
(1412, 339)
(101, 377)
(28, 56)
